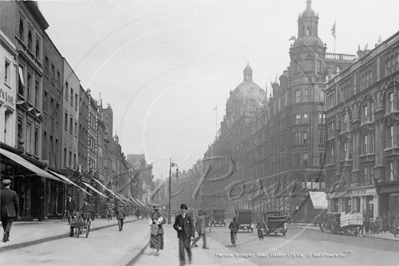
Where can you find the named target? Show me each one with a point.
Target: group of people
(88, 211)
(185, 228)
(379, 225)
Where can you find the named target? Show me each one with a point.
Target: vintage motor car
(244, 218)
(275, 222)
(218, 218)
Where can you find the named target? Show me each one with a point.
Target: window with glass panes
(365, 142)
(297, 96)
(306, 95)
(305, 118)
(365, 175)
(297, 119)
(390, 137)
(297, 138)
(390, 171)
(322, 118)
(305, 159)
(305, 137)
(390, 102)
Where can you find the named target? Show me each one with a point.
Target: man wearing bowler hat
(185, 231)
(9, 208)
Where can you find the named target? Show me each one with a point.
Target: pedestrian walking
(366, 225)
(138, 213)
(185, 231)
(70, 207)
(93, 210)
(395, 226)
(234, 225)
(86, 210)
(9, 208)
(377, 225)
(261, 226)
(120, 216)
(156, 222)
(200, 226)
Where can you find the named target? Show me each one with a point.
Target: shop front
(389, 199)
(361, 200)
(31, 182)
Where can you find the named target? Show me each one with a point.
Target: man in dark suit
(120, 215)
(70, 206)
(9, 208)
(86, 210)
(185, 231)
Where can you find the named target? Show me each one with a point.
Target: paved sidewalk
(217, 254)
(385, 236)
(25, 234)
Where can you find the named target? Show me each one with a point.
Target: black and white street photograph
(199, 132)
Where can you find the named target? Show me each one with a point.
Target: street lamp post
(170, 190)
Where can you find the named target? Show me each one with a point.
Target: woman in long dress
(156, 239)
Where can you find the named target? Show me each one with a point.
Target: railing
(333, 56)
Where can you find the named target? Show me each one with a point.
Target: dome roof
(248, 90)
(247, 68)
(308, 11)
(308, 41)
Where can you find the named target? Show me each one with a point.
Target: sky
(164, 65)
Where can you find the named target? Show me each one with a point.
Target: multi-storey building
(70, 121)
(142, 184)
(277, 144)
(83, 142)
(52, 123)
(24, 25)
(8, 92)
(188, 189)
(363, 133)
(92, 136)
(230, 147)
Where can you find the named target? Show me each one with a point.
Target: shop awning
(134, 201)
(31, 167)
(95, 190)
(141, 203)
(68, 181)
(125, 199)
(113, 193)
(319, 199)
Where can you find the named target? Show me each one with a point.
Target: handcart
(81, 222)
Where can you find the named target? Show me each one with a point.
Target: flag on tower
(333, 30)
(216, 107)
